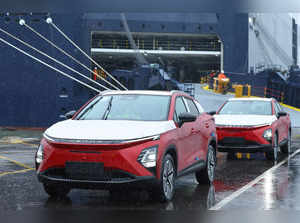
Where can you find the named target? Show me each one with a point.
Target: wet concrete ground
(20, 189)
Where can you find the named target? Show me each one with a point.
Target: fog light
(40, 154)
(148, 157)
(268, 135)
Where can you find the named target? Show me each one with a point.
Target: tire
(166, 188)
(287, 147)
(55, 190)
(207, 175)
(273, 155)
(231, 156)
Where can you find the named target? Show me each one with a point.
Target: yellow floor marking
(29, 144)
(290, 107)
(14, 172)
(15, 162)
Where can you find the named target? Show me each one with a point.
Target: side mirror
(282, 113)
(186, 117)
(70, 114)
(212, 113)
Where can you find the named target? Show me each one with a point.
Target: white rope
(44, 54)
(49, 21)
(22, 22)
(53, 68)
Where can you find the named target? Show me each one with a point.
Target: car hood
(244, 120)
(108, 129)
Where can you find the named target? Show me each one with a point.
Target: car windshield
(247, 108)
(127, 107)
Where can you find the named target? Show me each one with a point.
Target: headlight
(268, 134)
(148, 157)
(40, 154)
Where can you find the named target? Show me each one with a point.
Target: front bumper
(245, 149)
(127, 180)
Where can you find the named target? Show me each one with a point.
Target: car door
(184, 135)
(283, 123)
(198, 127)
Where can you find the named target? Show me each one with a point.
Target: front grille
(236, 141)
(109, 174)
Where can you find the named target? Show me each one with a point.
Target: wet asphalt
(279, 189)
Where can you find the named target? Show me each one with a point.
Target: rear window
(247, 108)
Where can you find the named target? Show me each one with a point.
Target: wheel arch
(171, 149)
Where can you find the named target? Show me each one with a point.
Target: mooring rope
(49, 21)
(51, 67)
(23, 23)
(53, 59)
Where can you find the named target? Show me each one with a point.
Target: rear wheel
(231, 155)
(166, 188)
(287, 147)
(273, 155)
(207, 175)
(56, 190)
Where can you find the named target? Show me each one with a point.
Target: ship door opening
(185, 57)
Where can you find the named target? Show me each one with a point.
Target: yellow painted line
(15, 162)
(15, 172)
(29, 144)
(290, 107)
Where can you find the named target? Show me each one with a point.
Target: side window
(200, 109)
(277, 107)
(192, 106)
(179, 108)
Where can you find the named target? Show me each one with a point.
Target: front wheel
(166, 188)
(55, 190)
(273, 155)
(207, 175)
(287, 147)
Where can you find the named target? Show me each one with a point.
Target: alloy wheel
(168, 179)
(211, 164)
(276, 148)
(289, 142)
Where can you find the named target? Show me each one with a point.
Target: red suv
(253, 125)
(129, 139)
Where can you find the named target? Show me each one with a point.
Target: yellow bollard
(215, 85)
(249, 90)
(238, 91)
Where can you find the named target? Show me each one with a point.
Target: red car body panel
(190, 142)
(281, 126)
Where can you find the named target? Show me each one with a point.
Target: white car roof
(250, 99)
(143, 92)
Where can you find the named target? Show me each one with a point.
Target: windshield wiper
(108, 109)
